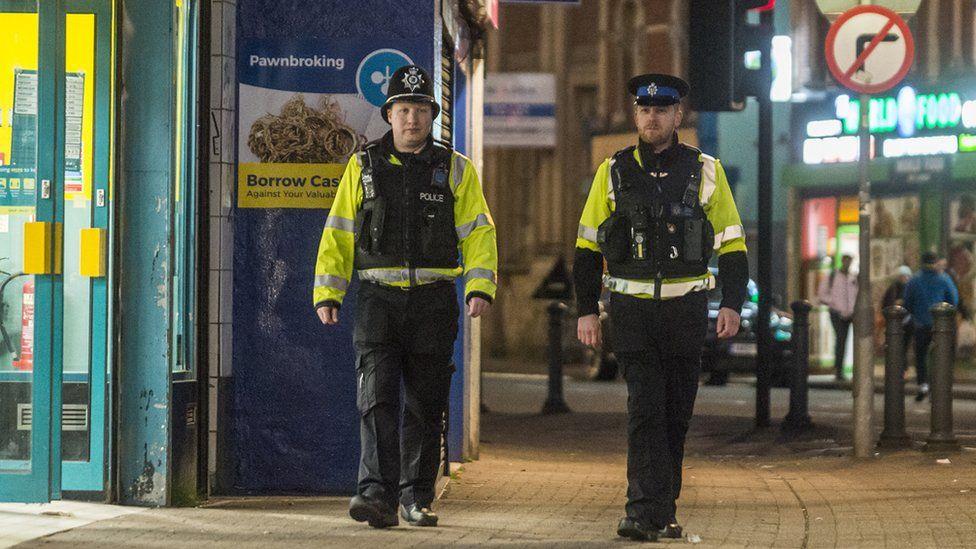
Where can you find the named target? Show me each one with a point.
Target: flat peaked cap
(657, 89)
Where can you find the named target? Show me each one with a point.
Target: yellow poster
(282, 185)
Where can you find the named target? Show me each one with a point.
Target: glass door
(55, 123)
(83, 210)
(30, 81)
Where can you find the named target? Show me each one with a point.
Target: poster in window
(960, 261)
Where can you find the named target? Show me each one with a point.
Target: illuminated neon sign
(908, 112)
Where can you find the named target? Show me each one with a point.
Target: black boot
(631, 528)
(416, 515)
(672, 531)
(374, 512)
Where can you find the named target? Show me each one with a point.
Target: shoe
(631, 528)
(671, 531)
(923, 391)
(416, 515)
(371, 511)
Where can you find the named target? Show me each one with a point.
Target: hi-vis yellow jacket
(475, 230)
(717, 201)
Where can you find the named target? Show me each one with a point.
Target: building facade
(536, 194)
(923, 168)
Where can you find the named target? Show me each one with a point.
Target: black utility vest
(658, 228)
(407, 215)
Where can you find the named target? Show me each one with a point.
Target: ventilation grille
(74, 417)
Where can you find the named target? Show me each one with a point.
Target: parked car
(720, 357)
(737, 354)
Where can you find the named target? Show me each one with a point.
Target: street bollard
(798, 418)
(943, 358)
(894, 436)
(554, 400)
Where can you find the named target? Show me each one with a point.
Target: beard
(658, 137)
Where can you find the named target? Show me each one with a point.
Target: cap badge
(413, 79)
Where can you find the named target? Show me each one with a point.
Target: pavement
(559, 481)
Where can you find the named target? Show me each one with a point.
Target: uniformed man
(405, 208)
(657, 212)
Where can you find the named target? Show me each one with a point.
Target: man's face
(411, 123)
(657, 123)
(845, 263)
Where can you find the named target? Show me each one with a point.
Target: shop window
(961, 253)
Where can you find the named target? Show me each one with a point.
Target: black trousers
(841, 326)
(658, 344)
(404, 341)
(923, 339)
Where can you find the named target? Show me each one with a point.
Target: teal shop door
(55, 123)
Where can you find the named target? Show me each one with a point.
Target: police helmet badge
(410, 83)
(413, 79)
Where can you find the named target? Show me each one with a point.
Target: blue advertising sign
(295, 425)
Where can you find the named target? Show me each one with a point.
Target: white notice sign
(520, 110)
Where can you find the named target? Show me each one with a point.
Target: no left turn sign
(869, 49)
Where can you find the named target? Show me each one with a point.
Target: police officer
(405, 208)
(657, 212)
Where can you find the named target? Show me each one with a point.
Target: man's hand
(477, 306)
(328, 315)
(588, 330)
(728, 323)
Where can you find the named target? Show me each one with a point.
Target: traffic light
(719, 36)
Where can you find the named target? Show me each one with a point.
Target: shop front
(923, 186)
(97, 250)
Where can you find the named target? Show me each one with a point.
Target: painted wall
(295, 422)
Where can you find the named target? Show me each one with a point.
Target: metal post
(894, 436)
(863, 313)
(554, 400)
(943, 357)
(764, 266)
(798, 418)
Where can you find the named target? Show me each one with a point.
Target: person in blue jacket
(928, 287)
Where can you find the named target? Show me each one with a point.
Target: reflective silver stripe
(464, 230)
(610, 195)
(424, 276)
(457, 172)
(486, 274)
(730, 232)
(709, 177)
(340, 223)
(332, 281)
(393, 276)
(360, 157)
(587, 233)
(668, 289)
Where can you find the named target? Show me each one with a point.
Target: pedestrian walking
(404, 208)
(928, 287)
(657, 212)
(839, 292)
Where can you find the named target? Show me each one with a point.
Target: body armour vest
(659, 228)
(407, 215)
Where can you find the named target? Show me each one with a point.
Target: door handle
(94, 246)
(42, 247)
